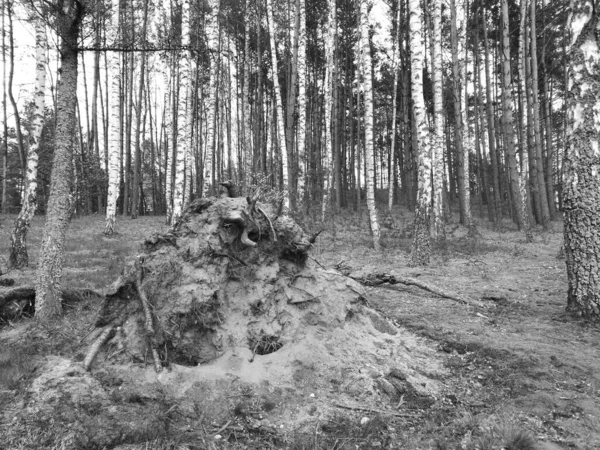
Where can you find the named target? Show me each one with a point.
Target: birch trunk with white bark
(184, 114)
(421, 248)
(369, 120)
(328, 104)
(114, 138)
(212, 37)
(301, 130)
(437, 144)
(279, 108)
(18, 239)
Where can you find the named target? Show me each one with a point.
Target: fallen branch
(23, 298)
(374, 411)
(107, 333)
(377, 279)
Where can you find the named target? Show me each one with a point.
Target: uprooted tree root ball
(226, 320)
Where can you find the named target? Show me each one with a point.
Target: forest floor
(520, 373)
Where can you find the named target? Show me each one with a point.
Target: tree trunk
(437, 146)
(283, 151)
(114, 137)
(491, 126)
(248, 154)
(457, 9)
(396, 69)
(516, 182)
(421, 249)
(328, 99)
(48, 289)
(367, 74)
(184, 113)
(137, 159)
(302, 113)
(18, 247)
(581, 192)
(212, 33)
(17, 116)
(535, 105)
(4, 114)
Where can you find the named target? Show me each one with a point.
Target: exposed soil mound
(244, 329)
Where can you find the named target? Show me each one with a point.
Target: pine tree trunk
(367, 73)
(516, 182)
(457, 10)
(48, 289)
(581, 192)
(18, 248)
(114, 138)
(396, 69)
(421, 249)
(137, 159)
(491, 126)
(541, 182)
(524, 185)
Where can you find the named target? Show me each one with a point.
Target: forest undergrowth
(521, 374)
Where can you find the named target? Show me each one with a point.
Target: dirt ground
(511, 371)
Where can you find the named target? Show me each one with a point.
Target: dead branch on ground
(378, 279)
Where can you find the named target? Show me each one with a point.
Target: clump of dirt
(244, 328)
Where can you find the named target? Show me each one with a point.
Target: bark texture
(581, 192)
(48, 287)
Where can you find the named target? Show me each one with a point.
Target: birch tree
(396, 70)
(247, 109)
(458, 40)
(279, 109)
(581, 192)
(421, 249)
(366, 64)
(114, 138)
(328, 100)
(212, 38)
(18, 247)
(48, 293)
(184, 113)
(437, 145)
(302, 112)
